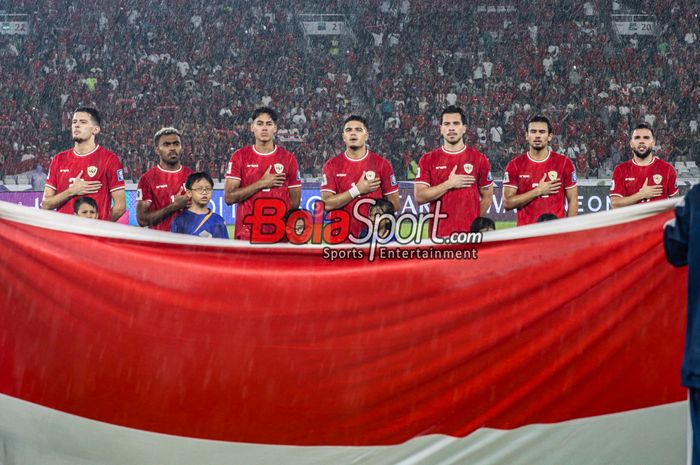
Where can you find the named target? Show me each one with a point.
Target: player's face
(263, 128)
(538, 135)
(355, 135)
(169, 149)
(83, 128)
(87, 211)
(642, 142)
(200, 193)
(452, 128)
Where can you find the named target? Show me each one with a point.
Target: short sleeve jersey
(98, 165)
(629, 177)
(524, 174)
(247, 165)
(158, 187)
(342, 172)
(463, 205)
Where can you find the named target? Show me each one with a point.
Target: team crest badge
(279, 167)
(370, 175)
(553, 175)
(468, 168)
(657, 178)
(92, 171)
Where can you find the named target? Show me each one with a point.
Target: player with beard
(457, 176)
(86, 170)
(161, 191)
(262, 170)
(357, 173)
(645, 177)
(540, 180)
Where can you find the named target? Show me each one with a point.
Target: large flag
(560, 343)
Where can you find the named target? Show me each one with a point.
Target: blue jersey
(682, 244)
(203, 225)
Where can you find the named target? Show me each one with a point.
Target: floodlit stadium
(557, 342)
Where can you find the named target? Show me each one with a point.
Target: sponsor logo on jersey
(340, 175)
(630, 179)
(63, 171)
(161, 186)
(120, 175)
(370, 175)
(468, 168)
(279, 168)
(553, 175)
(657, 178)
(524, 176)
(251, 166)
(393, 180)
(440, 167)
(92, 171)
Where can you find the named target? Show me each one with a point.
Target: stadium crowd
(203, 66)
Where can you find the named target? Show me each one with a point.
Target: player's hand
(180, 200)
(458, 181)
(82, 187)
(548, 187)
(649, 192)
(270, 179)
(366, 186)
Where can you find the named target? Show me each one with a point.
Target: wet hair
(94, 114)
(547, 217)
(357, 118)
(81, 200)
(194, 177)
(482, 223)
(384, 205)
(642, 126)
(165, 132)
(452, 109)
(265, 111)
(539, 119)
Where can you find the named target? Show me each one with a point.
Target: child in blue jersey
(199, 220)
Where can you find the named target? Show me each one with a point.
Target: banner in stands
(560, 343)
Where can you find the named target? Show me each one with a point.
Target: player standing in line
(540, 180)
(86, 169)
(645, 177)
(262, 170)
(457, 176)
(357, 173)
(161, 190)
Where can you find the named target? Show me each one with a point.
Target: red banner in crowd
(278, 345)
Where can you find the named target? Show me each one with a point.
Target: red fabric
(280, 346)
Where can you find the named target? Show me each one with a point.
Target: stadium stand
(203, 66)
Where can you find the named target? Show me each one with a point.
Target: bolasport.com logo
(270, 223)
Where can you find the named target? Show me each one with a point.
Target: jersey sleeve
(618, 183)
(388, 179)
(570, 178)
(51, 180)
(672, 187)
(510, 175)
(423, 176)
(115, 175)
(485, 178)
(328, 183)
(144, 191)
(234, 170)
(293, 174)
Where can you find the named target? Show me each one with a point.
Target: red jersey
(524, 174)
(463, 205)
(341, 173)
(98, 165)
(159, 187)
(629, 177)
(248, 165)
